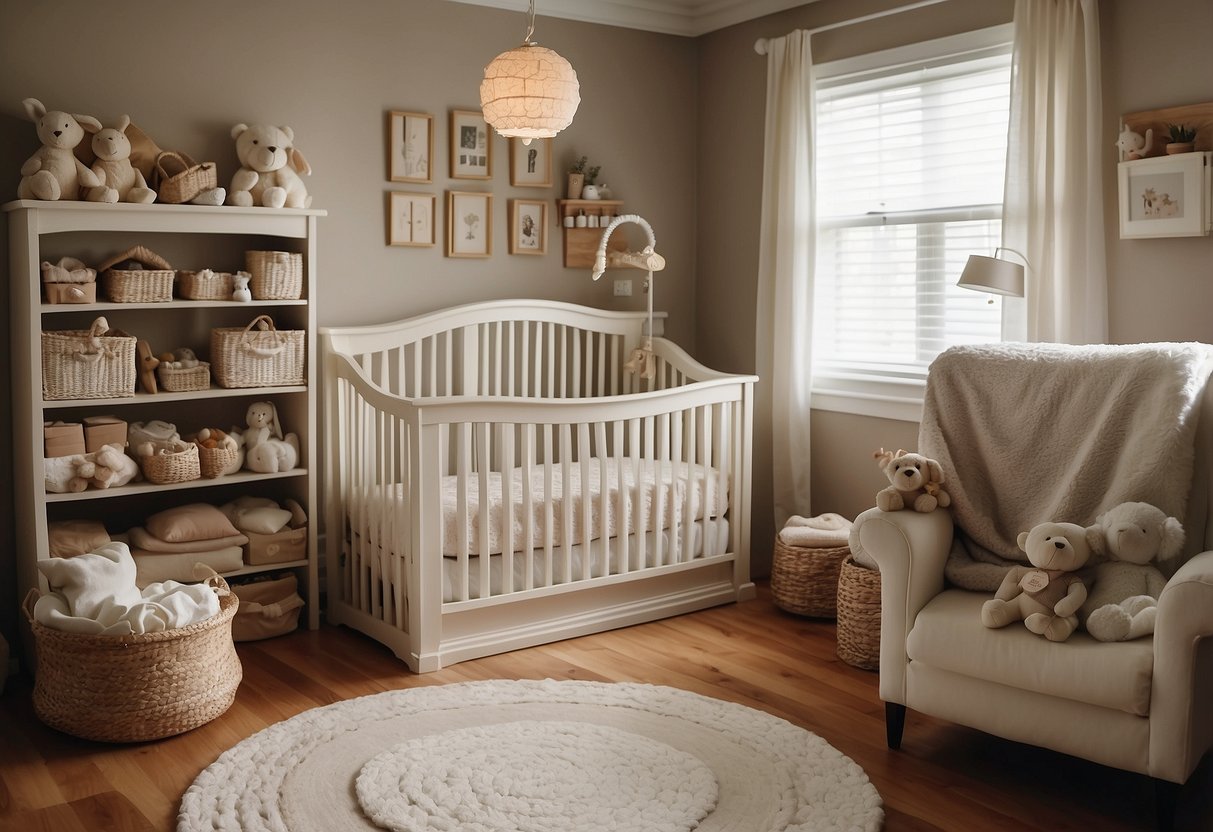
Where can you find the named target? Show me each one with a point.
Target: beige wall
(330, 71)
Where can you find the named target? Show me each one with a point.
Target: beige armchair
(1141, 705)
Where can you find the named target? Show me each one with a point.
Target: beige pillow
(69, 538)
(197, 521)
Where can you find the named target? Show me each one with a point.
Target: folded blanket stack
(172, 542)
(825, 531)
(95, 594)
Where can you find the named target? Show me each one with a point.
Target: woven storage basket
(276, 275)
(136, 687)
(257, 355)
(805, 580)
(213, 461)
(205, 285)
(163, 468)
(88, 364)
(184, 379)
(181, 178)
(153, 285)
(859, 615)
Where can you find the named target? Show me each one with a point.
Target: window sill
(899, 399)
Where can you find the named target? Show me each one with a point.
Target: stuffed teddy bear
(113, 467)
(1046, 598)
(270, 167)
(266, 451)
(54, 172)
(68, 474)
(120, 180)
(1124, 601)
(917, 482)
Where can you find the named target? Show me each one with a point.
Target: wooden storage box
(100, 431)
(71, 292)
(281, 547)
(64, 439)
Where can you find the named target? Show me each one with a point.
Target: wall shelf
(581, 244)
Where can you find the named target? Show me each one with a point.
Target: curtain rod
(760, 45)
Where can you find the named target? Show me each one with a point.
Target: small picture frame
(1165, 196)
(410, 147)
(531, 164)
(410, 219)
(471, 146)
(469, 224)
(528, 226)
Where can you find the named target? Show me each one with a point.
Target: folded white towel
(822, 531)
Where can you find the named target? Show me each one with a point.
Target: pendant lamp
(529, 92)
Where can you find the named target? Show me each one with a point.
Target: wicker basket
(212, 462)
(137, 687)
(149, 285)
(164, 467)
(257, 355)
(184, 379)
(276, 275)
(859, 616)
(88, 364)
(805, 580)
(181, 178)
(205, 285)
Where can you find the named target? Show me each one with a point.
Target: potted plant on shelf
(577, 178)
(590, 190)
(1182, 138)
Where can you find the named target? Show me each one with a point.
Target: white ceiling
(672, 17)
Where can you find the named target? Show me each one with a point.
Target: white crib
(497, 479)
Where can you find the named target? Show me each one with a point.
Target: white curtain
(1054, 201)
(785, 269)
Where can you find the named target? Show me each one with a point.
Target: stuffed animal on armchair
(1124, 600)
(916, 482)
(270, 168)
(266, 450)
(54, 172)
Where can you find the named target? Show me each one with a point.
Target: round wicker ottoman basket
(859, 616)
(136, 687)
(805, 580)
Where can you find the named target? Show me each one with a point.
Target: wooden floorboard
(945, 777)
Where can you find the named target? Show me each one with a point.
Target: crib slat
(585, 389)
(551, 353)
(688, 515)
(506, 443)
(449, 364)
(406, 531)
(548, 508)
(583, 455)
(483, 467)
(528, 505)
(525, 364)
(659, 510)
(463, 461)
(677, 532)
(377, 465)
(566, 504)
(511, 367)
(604, 464)
(707, 457)
(633, 494)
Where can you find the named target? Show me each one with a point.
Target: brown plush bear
(917, 482)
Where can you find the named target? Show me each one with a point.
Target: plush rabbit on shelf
(266, 450)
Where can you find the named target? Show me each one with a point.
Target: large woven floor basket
(137, 687)
(805, 580)
(859, 616)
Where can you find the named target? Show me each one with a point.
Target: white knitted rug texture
(532, 756)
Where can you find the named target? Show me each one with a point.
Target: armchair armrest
(1181, 723)
(911, 549)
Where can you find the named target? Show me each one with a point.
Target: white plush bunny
(266, 450)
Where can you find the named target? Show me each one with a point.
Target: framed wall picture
(528, 226)
(1165, 196)
(471, 146)
(531, 164)
(410, 219)
(410, 147)
(469, 224)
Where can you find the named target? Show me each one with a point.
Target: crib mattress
(661, 496)
(708, 538)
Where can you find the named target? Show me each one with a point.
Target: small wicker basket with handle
(258, 355)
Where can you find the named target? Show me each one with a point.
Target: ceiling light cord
(530, 28)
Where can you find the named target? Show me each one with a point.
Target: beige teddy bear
(68, 474)
(270, 168)
(120, 180)
(916, 482)
(113, 467)
(54, 172)
(1045, 596)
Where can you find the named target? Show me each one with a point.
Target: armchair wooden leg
(894, 723)
(1166, 798)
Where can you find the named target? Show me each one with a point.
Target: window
(910, 161)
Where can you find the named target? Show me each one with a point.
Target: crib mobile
(647, 259)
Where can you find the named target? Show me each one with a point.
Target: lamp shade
(529, 92)
(990, 274)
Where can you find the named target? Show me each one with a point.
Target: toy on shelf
(242, 292)
(120, 180)
(266, 450)
(270, 168)
(156, 434)
(69, 281)
(1133, 145)
(113, 467)
(54, 172)
(219, 453)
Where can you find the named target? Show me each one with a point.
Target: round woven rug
(532, 756)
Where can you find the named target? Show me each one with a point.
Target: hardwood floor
(944, 778)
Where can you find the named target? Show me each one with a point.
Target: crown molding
(688, 18)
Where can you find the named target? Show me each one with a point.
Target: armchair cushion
(948, 635)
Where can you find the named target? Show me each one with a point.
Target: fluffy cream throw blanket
(1029, 433)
